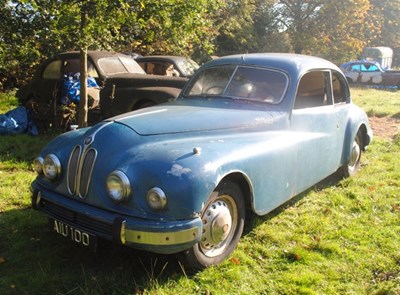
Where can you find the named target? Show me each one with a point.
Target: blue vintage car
(247, 133)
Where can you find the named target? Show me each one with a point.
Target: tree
(331, 29)
(32, 30)
(385, 14)
(178, 27)
(269, 36)
(341, 29)
(297, 18)
(236, 27)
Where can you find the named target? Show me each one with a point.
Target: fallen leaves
(235, 260)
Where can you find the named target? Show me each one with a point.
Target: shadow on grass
(396, 116)
(34, 260)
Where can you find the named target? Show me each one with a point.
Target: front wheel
(352, 166)
(223, 219)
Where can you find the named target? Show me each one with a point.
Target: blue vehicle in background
(364, 72)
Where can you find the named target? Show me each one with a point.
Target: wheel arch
(245, 185)
(365, 137)
(350, 135)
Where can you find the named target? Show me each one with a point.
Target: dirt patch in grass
(385, 127)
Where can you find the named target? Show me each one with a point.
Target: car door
(319, 128)
(353, 72)
(370, 74)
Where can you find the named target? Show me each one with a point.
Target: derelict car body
(121, 86)
(248, 131)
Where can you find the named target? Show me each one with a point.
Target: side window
(311, 91)
(53, 70)
(364, 68)
(339, 88)
(92, 70)
(373, 68)
(154, 68)
(71, 66)
(369, 68)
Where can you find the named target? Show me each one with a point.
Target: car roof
(95, 55)
(175, 58)
(293, 63)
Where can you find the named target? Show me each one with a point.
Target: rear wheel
(223, 220)
(352, 166)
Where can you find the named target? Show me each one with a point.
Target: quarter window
(339, 88)
(53, 70)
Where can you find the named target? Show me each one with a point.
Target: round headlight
(156, 198)
(38, 165)
(51, 167)
(118, 186)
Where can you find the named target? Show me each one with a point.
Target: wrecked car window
(119, 65)
(52, 71)
(248, 83)
(188, 66)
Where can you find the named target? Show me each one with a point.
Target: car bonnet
(204, 116)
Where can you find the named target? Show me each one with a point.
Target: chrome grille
(73, 165)
(80, 167)
(86, 172)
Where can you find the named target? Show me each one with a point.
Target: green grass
(377, 102)
(7, 101)
(339, 237)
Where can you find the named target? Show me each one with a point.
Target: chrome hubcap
(355, 154)
(218, 226)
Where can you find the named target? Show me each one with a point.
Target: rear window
(119, 65)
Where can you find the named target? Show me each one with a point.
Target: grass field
(340, 237)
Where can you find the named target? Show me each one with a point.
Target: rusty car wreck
(247, 133)
(119, 85)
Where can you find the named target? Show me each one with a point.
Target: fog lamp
(156, 198)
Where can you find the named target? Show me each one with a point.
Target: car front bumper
(165, 237)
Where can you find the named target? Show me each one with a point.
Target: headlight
(156, 198)
(38, 165)
(51, 167)
(118, 186)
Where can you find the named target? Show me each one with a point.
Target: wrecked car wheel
(223, 219)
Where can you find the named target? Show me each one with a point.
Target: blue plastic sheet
(72, 87)
(17, 121)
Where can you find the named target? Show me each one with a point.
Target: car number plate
(74, 234)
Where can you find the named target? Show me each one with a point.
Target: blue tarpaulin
(72, 87)
(17, 121)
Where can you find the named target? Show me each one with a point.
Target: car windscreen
(239, 82)
(188, 66)
(119, 65)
